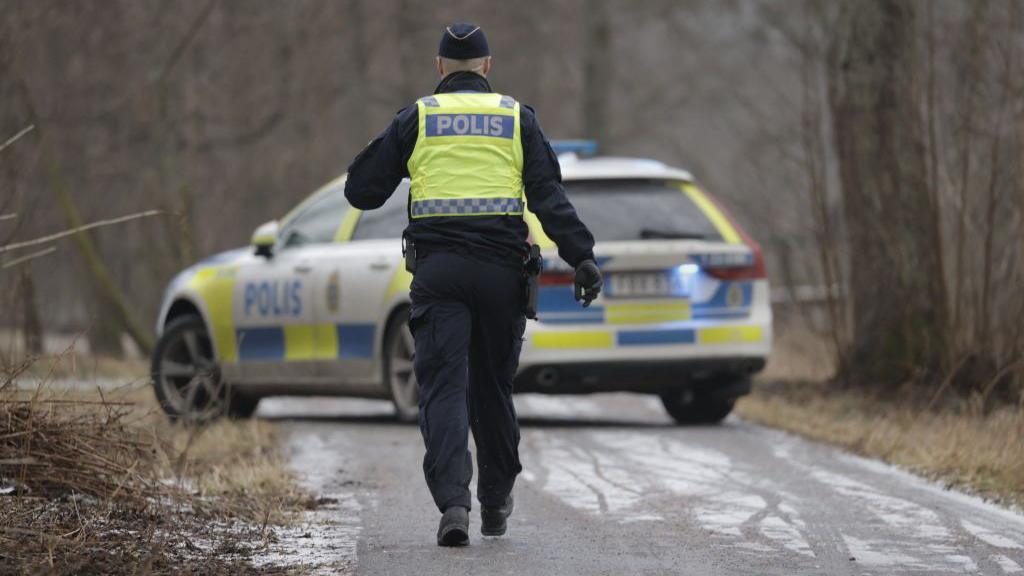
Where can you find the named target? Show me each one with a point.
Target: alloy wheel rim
(190, 377)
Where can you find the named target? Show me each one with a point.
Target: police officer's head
(463, 48)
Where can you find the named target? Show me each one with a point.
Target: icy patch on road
(1008, 566)
(777, 529)
(326, 540)
(617, 473)
(933, 547)
(641, 518)
(619, 408)
(324, 543)
(1010, 517)
(539, 405)
(919, 539)
(587, 480)
(989, 537)
(901, 515)
(726, 500)
(726, 512)
(902, 523)
(868, 554)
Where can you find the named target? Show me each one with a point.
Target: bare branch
(17, 136)
(27, 257)
(76, 230)
(186, 40)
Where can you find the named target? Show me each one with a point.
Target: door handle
(380, 266)
(303, 269)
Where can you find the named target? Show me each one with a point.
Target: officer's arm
(546, 197)
(380, 167)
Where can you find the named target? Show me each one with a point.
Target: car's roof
(613, 167)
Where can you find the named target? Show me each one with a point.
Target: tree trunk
(596, 71)
(897, 291)
(31, 326)
(104, 333)
(360, 54)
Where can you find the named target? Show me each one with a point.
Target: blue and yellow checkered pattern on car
(299, 342)
(667, 318)
(556, 305)
(608, 338)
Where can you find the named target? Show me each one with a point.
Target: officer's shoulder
(407, 112)
(527, 111)
(528, 117)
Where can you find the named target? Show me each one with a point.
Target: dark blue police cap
(463, 41)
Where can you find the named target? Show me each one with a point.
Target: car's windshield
(316, 221)
(388, 221)
(639, 210)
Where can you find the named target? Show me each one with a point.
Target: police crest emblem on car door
(333, 292)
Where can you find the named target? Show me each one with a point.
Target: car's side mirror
(264, 238)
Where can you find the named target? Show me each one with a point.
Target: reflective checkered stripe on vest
(468, 159)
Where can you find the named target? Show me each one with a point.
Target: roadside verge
(982, 453)
(96, 480)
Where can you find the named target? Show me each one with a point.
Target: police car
(318, 304)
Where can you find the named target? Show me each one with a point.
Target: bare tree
(111, 297)
(897, 296)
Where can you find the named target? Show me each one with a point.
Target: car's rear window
(638, 210)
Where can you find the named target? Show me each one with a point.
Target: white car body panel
(285, 310)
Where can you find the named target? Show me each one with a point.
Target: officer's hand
(588, 282)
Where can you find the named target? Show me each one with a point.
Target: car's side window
(318, 222)
(388, 221)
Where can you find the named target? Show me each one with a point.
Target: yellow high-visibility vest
(468, 159)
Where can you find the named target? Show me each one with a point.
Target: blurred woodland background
(873, 147)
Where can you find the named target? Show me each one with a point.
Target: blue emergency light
(579, 147)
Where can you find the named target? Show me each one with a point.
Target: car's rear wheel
(187, 379)
(399, 351)
(697, 406)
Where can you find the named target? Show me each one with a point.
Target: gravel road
(611, 487)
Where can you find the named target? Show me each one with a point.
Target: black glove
(588, 282)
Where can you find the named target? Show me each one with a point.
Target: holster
(532, 270)
(409, 253)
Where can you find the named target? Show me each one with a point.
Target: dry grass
(100, 482)
(958, 443)
(238, 463)
(82, 368)
(979, 452)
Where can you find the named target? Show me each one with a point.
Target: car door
(357, 281)
(274, 304)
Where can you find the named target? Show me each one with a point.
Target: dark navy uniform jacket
(380, 167)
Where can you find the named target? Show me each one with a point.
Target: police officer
(474, 157)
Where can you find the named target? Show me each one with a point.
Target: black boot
(454, 527)
(493, 520)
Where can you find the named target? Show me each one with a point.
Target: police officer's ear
(440, 67)
(487, 66)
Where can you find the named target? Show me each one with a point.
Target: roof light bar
(580, 147)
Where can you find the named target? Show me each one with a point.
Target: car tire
(697, 407)
(243, 406)
(397, 358)
(187, 379)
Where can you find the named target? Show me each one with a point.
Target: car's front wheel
(187, 379)
(399, 351)
(697, 406)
